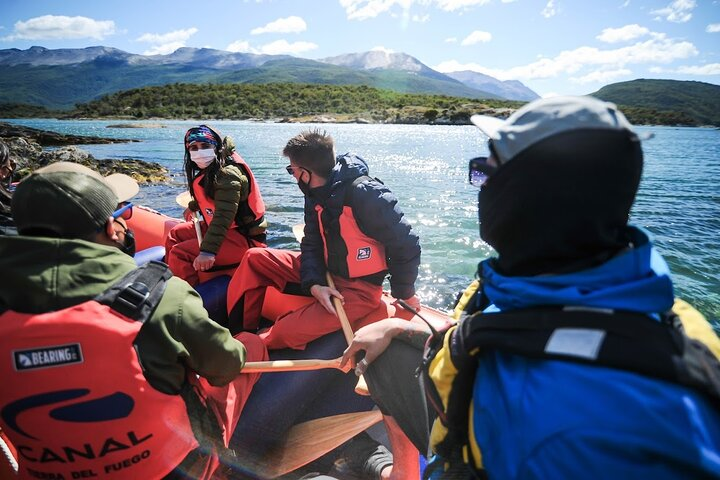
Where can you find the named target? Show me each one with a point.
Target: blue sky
(552, 46)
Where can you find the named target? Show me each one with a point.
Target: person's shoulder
(231, 171)
(366, 186)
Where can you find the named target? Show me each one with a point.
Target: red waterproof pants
(181, 249)
(263, 267)
(228, 401)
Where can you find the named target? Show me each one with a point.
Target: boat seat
(214, 295)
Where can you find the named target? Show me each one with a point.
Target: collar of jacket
(637, 279)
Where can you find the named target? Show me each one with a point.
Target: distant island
(644, 102)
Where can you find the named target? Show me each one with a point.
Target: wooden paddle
(361, 388)
(299, 231)
(292, 365)
(309, 440)
(183, 199)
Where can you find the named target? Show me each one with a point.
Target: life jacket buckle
(132, 297)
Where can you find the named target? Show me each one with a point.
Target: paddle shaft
(289, 365)
(344, 322)
(198, 231)
(361, 388)
(183, 199)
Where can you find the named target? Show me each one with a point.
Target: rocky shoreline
(27, 148)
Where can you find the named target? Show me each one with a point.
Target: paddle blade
(310, 440)
(299, 231)
(183, 199)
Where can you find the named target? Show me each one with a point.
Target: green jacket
(231, 188)
(40, 275)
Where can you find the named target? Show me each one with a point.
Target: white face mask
(203, 157)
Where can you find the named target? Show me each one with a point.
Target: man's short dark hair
(312, 149)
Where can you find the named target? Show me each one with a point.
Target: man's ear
(110, 230)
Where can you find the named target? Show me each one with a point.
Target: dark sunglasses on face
(479, 170)
(124, 210)
(290, 169)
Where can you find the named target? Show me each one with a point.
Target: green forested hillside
(666, 102)
(240, 101)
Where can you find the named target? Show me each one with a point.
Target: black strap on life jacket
(137, 294)
(624, 340)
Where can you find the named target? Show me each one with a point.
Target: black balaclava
(562, 204)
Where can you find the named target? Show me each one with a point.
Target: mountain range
(61, 78)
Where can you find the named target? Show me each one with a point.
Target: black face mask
(304, 187)
(562, 205)
(128, 247)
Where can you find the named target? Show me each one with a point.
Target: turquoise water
(426, 167)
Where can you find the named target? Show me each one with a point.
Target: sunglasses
(124, 210)
(479, 170)
(290, 169)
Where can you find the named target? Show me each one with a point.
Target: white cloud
(282, 25)
(56, 27)
(601, 76)
(278, 47)
(549, 10)
(626, 4)
(622, 34)
(656, 50)
(240, 46)
(365, 9)
(679, 11)
(174, 36)
(713, 28)
(452, 5)
(421, 19)
(381, 49)
(477, 36)
(707, 69)
(164, 43)
(164, 49)
(284, 47)
(451, 40)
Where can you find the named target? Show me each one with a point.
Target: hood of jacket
(347, 168)
(42, 274)
(636, 280)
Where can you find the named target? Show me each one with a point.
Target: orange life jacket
(252, 207)
(75, 402)
(348, 251)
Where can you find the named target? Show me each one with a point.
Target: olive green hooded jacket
(39, 275)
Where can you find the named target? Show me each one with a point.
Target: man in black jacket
(354, 230)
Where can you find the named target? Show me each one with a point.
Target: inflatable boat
(292, 417)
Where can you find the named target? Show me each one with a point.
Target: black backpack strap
(137, 294)
(623, 340)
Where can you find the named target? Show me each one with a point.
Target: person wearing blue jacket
(572, 359)
(354, 229)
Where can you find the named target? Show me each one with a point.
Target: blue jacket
(376, 211)
(552, 419)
